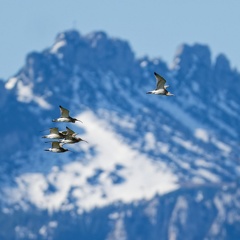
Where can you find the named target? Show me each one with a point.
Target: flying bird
(57, 148)
(54, 134)
(65, 116)
(161, 87)
(71, 140)
(68, 132)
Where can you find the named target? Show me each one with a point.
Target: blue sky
(154, 27)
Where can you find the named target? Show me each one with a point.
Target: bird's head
(169, 94)
(76, 120)
(80, 139)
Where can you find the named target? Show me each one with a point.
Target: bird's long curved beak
(71, 151)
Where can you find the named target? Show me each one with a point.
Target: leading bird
(54, 133)
(65, 116)
(161, 88)
(57, 148)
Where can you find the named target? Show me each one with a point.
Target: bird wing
(68, 137)
(63, 132)
(54, 130)
(64, 112)
(70, 131)
(160, 81)
(55, 145)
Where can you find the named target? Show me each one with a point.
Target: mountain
(155, 167)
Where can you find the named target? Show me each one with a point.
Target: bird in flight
(65, 116)
(54, 133)
(68, 132)
(161, 88)
(56, 148)
(71, 139)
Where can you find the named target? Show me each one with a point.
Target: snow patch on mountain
(25, 92)
(118, 231)
(222, 125)
(208, 175)
(183, 116)
(114, 174)
(179, 216)
(11, 83)
(55, 48)
(201, 134)
(222, 146)
(151, 210)
(188, 145)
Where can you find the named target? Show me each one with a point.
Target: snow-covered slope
(99, 180)
(144, 153)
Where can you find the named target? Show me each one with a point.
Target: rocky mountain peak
(222, 64)
(95, 49)
(187, 57)
(70, 37)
